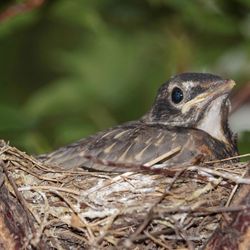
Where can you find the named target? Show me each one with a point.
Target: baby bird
(187, 122)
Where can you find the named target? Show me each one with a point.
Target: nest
(56, 208)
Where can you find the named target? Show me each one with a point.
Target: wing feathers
(135, 144)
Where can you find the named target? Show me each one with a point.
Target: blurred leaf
(15, 23)
(244, 144)
(12, 120)
(74, 67)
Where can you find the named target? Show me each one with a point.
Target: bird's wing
(123, 148)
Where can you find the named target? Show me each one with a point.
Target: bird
(187, 124)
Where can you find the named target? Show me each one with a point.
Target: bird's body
(179, 123)
(139, 143)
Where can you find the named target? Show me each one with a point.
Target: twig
(82, 220)
(48, 189)
(71, 235)
(157, 241)
(19, 8)
(19, 197)
(234, 190)
(133, 167)
(201, 210)
(228, 159)
(236, 179)
(163, 157)
(166, 232)
(40, 177)
(149, 215)
(4, 148)
(35, 241)
(111, 219)
(180, 231)
(200, 191)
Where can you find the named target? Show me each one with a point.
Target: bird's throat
(214, 120)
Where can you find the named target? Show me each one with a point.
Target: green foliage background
(71, 68)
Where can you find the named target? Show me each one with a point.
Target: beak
(218, 89)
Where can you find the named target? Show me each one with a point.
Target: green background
(73, 67)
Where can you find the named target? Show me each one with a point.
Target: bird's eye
(177, 95)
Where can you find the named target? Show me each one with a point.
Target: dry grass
(81, 210)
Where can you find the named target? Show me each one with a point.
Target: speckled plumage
(165, 127)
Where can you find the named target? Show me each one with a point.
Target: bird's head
(194, 100)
